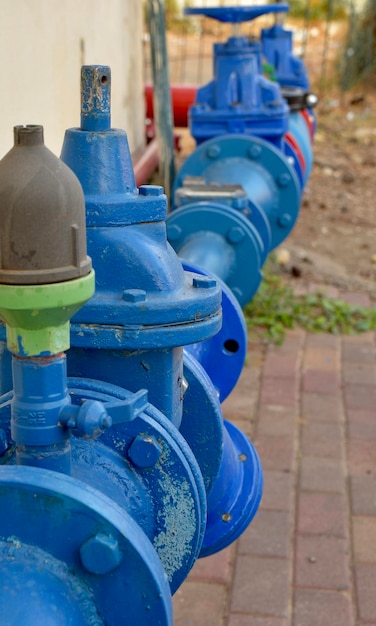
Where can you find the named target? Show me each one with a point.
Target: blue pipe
(132, 332)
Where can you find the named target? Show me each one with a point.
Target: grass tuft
(276, 308)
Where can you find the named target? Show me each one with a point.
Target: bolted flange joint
(100, 554)
(144, 451)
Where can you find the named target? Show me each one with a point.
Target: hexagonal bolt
(204, 282)
(283, 180)
(134, 295)
(3, 442)
(235, 235)
(100, 554)
(151, 190)
(239, 203)
(144, 451)
(254, 152)
(213, 151)
(284, 220)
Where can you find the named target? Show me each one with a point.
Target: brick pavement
(309, 556)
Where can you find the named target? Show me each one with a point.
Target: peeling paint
(178, 520)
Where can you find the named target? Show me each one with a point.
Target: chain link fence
(336, 39)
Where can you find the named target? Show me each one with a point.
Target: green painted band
(54, 295)
(47, 341)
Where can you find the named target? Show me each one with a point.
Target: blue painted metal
(239, 100)
(133, 330)
(50, 519)
(228, 517)
(236, 15)
(292, 157)
(223, 355)
(235, 494)
(299, 130)
(149, 304)
(277, 47)
(248, 137)
(107, 505)
(152, 494)
(201, 232)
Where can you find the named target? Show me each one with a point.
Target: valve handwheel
(236, 15)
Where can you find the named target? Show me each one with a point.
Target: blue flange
(260, 168)
(145, 306)
(201, 424)
(223, 355)
(222, 242)
(235, 490)
(145, 467)
(66, 552)
(235, 498)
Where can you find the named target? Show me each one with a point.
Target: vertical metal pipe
(162, 99)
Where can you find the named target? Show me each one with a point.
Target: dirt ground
(334, 240)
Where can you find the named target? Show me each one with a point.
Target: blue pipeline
(240, 100)
(99, 485)
(223, 355)
(219, 238)
(86, 434)
(148, 303)
(132, 332)
(244, 121)
(300, 131)
(68, 530)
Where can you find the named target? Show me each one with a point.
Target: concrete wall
(42, 47)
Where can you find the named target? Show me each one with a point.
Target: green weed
(276, 308)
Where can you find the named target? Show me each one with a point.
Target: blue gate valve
(241, 100)
(210, 233)
(237, 196)
(277, 48)
(106, 506)
(134, 328)
(149, 303)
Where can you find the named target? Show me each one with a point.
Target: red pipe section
(182, 97)
(294, 144)
(146, 165)
(309, 119)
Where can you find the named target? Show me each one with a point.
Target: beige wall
(42, 47)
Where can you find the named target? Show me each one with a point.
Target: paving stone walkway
(309, 557)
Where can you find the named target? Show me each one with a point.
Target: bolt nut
(235, 235)
(151, 190)
(144, 451)
(213, 151)
(254, 151)
(134, 295)
(100, 554)
(284, 220)
(283, 180)
(203, 282)
(239, 203)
